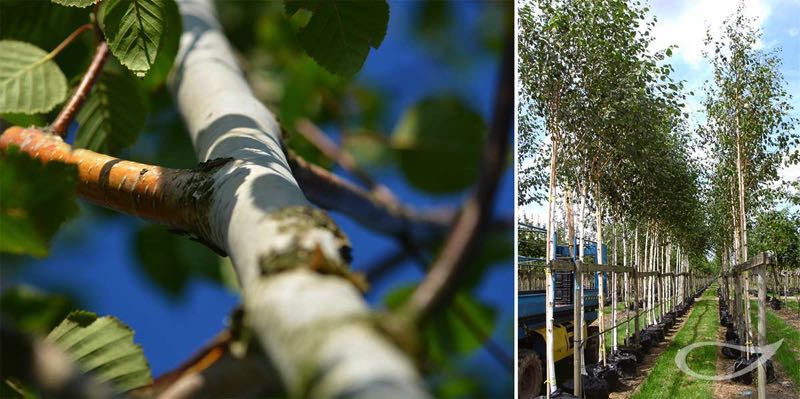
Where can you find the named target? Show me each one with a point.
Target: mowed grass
(788, 355)
(792, 304)
(665, 379)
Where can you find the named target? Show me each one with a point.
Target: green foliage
(749, 131)
(75, 3)
(33, 311)
(134, 30)
(45, 25)
(170, 260)
(24, 120)
(777, 231)
(439, 131)
(340, 32)
(497, 246)
(167, 47)
(590, 83)
(30, 81)
(113, 114)
(40, 23)
(446, 334)
(104, 347)
(368, 148)
(35, 200)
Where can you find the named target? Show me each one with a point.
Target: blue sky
(684, 23)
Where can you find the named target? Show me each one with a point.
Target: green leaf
(24, 120)
(168, 46)
(340, 32)
(446, 333)
(114, 113)
(35, 199)
(133, 29)
(497, 246)
(33, 311)
(104, 347)
(13, 388)
(30, 82)
(439, 142)
(40, 23)
(170, 260)
(369, 149)
(75, 3)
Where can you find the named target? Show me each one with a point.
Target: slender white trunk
(646, 268)
(600, 280)
(626, 289)
(581, 254)
(311, 326)
(549, 290)
(614, 296)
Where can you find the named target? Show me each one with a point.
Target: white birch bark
(600, 282)
(581, 253)
(549, 289)
(313, 328)
(614, 296)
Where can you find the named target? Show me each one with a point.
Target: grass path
(665, 379)
(788, 355)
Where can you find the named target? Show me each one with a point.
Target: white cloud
(684, 23)
(793, 32)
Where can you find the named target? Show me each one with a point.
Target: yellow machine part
(562, 339)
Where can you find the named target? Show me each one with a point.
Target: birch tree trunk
(581, 254)
(600, 280)
(614, 296)
(577, 358)
(311, 322)
(550, 252)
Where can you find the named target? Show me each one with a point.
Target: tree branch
(60, 125)
(373, 212)
(173, 197)
(161, 194)
(320, 140)
(438, 286)
(311, 322)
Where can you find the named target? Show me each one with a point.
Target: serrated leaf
(439, 142)
(340, 32)
(446, 333)
(168, 46)
(104, 347)
(30, 82)
(133, 29)
(75, 3)
(35, 199)
(114, 113)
